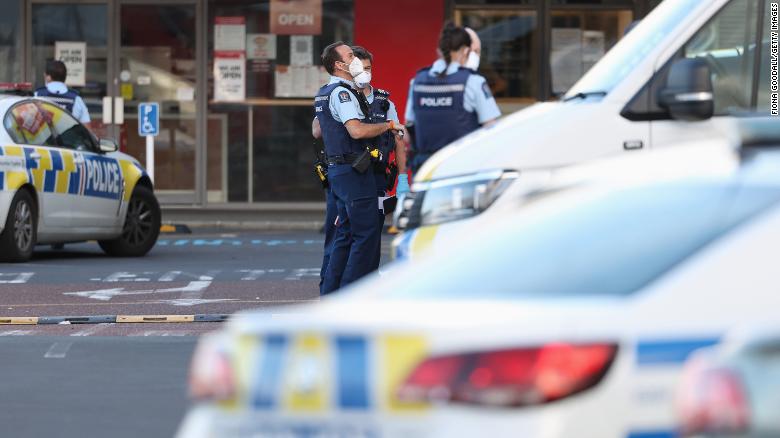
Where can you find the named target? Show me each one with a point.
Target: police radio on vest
(435, 101)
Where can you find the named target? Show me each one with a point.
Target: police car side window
(27, 124)
(70, 133)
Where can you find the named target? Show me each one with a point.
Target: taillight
(211, 373)
(513, 377)
(712, 401)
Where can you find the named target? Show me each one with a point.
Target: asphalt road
(129, 379)
(93, 386)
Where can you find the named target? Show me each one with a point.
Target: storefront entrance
(124, 52)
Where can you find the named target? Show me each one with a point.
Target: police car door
(726, 43)
(40, 163)
(97, 179)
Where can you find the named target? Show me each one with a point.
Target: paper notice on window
(565, 58)
(593, 48)
(185, 94)
(230, 77)
(260, 46)
(74, 55)
(230, 33)
(301, 50)
(314, 80)
(283, 81)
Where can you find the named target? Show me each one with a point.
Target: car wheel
(142, 226)
(20, 233)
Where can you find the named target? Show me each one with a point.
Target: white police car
(569, 318)
(682, 74)
(58, 184)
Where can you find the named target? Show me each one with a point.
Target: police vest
(379, 108)
(439, 115)
(65, 100)
(337, 140)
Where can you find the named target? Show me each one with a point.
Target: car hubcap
(23, 226)
(138, 226)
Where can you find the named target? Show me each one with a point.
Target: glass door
(126, 52)
(157, 62)
(82, 30)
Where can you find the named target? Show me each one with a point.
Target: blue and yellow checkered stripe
(58, 171)
(344, 372)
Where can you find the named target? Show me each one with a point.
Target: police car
(570, 317)
(59, 184)
(684, 73)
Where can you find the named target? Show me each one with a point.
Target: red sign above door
(296, 17)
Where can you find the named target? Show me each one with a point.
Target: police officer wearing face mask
(345, 130)
(382, 110)
(59, 93)
(448, 99)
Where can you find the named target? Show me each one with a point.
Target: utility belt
(361, 162)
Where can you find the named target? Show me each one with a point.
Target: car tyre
(21, 229)
(141, 229)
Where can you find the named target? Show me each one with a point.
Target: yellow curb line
(19, 320)
(155, 318)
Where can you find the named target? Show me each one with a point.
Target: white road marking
(15, 332)
(193, 287)
(16, 277)
(169, 276)
(58, 350)
(194, 301)
(91, 330)
(298, 274)
(254, 274)
(162, 333)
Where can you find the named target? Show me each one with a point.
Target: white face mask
(363, 79)
(473, 61)
(355, 67)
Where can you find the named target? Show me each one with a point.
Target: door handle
(78, 159)
(35, 156)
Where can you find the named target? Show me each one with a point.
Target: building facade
(235, 78)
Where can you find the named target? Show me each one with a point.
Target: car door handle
(35, 156)
(78, 159)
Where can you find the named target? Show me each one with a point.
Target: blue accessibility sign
(148, 119)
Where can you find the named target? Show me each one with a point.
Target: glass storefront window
(579, 39)
(10, 41)
(510, 44)
(259, 147)
(85, 23)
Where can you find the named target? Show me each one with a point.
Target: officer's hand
(403, 185)
(397, 128)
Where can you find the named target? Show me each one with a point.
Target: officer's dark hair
(56, 70)
(330, 56)
(451, 39)
(362, 53)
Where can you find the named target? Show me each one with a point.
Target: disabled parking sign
(148, 119)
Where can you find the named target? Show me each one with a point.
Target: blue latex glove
(403, 185)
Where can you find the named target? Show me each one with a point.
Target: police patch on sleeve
(344, 97)
(486, 90)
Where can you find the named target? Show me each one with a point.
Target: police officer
(382, 109)
(447, 100)
(59, 93)
(345, 131)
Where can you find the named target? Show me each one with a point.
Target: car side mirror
(688, 92)
(108, 145)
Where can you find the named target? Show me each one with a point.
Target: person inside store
(56, 91)
(343, 114)
(386, 172)
(447, 100)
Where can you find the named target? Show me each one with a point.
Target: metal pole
(150, 156)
